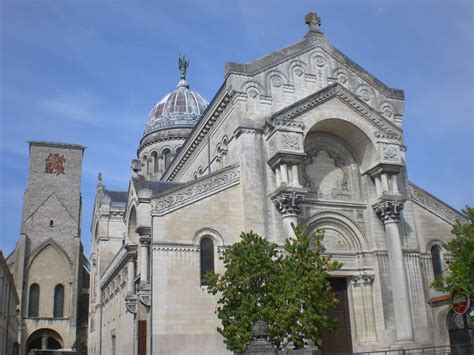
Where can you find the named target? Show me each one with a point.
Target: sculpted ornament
(276, 81)
(319, 61)
(390, 153)
(290, 142)
(55, 164)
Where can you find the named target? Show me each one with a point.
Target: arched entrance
(44, 339)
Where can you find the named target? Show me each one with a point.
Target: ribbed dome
(180, 108)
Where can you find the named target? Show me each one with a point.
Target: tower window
(58, 311)
(33, 301)
(167, 158)
(51, 223)
(207, 257)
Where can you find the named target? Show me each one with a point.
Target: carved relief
(280, 141)
(55, 164)
(390, 152)
(290, 142)
(333, 241)
(298, 71)
(276, 81)
(319, 60)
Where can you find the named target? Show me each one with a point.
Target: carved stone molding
(430, 202)
(287, 201)
(175, 248)
(355, 279)
(368, 280)
(389, 209)
(144, 293)
(196, 190)
(145, 240)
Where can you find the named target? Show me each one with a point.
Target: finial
(183, 65)
(313, 21)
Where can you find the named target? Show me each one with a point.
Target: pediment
(384, 127)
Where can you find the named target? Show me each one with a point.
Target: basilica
(300, 136)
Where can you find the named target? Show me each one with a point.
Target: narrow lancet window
(58, 301)
(436, 260)
(33, 302)
(207, 257)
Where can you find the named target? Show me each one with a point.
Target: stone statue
(183, 65)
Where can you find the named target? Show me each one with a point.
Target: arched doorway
(44, 339)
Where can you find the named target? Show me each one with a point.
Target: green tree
(461, 268)
(289, 290)
(80, 346)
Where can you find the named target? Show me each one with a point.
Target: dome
(180, 108)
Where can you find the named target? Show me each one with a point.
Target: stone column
(278, 177)
(368, 281)
(145, 240)
(389, 210)
(284, 173)
(131, 275)
(294, 175)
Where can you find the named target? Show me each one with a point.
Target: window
(58, 301)
(167, 157)
(436, 260)
(207, 257)
(154, 156)
(33, 302)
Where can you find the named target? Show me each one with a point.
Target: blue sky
(88, 72)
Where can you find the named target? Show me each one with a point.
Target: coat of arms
(55, 164)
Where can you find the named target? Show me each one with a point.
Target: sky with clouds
(88, 72)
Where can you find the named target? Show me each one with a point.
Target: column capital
(388, 208)
(288, 199)
(145, 240)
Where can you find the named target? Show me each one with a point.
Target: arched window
(146, 164)
(154, 156)
(207, 257)
(33, 302)
(436, 260)
(58, 301)
(167, 157)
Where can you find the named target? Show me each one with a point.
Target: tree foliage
(288, 289)
(461, 268)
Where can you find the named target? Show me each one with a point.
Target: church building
(300, 136)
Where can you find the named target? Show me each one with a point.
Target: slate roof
(117, 198)
(157, 187)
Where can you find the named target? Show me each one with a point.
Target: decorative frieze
(196, 190)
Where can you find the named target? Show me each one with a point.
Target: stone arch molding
(208, 232)
(353, 238)
(49, 242)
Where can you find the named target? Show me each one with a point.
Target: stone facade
(8, 311)
(305, 136)
(48, 264)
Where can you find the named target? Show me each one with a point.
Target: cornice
(56, 145)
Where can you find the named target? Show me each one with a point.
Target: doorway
(339, 340)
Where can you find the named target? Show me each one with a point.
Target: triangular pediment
(336, 90)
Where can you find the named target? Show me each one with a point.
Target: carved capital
(389, 209)
(287, 202)
(355, 279)
(145, 240)
(368, 280)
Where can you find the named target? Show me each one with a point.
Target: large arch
(355, 136)
(44, 338)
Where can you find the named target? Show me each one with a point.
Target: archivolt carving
(348, 231)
